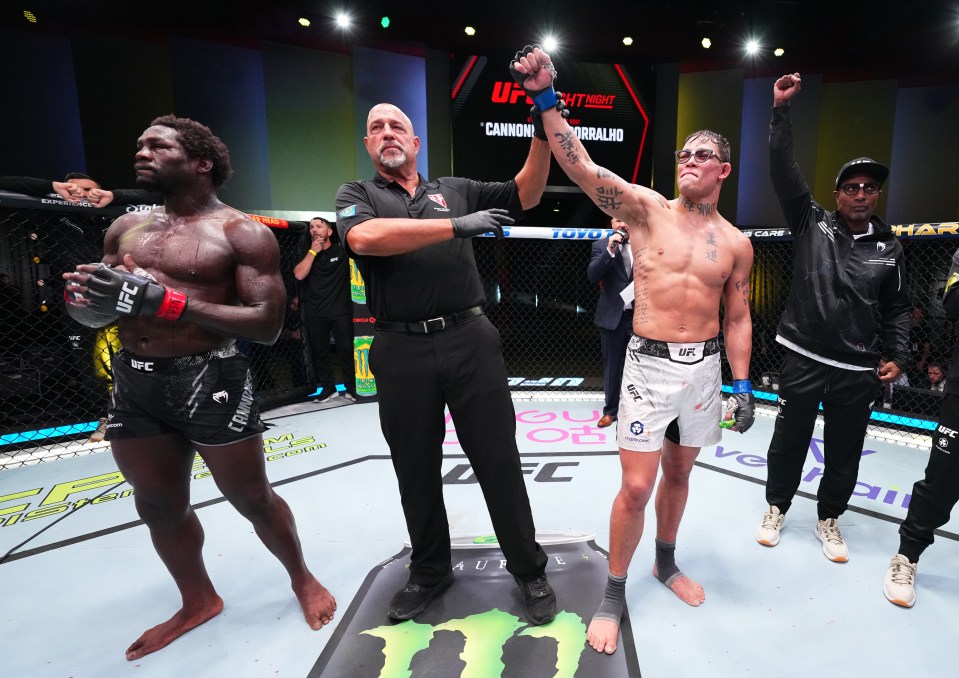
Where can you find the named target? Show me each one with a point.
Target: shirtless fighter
(687, 259)
(185, 280)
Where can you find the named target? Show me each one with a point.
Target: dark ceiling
(915, 41)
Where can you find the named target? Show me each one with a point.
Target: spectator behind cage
(920, 339)
(324, 273)
(936, 374)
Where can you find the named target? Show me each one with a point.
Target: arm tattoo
(742, 286)
(603, 173)
(606, 197)
(704, 208)
(567, 142)
(656, 196)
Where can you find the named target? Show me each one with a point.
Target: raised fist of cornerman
(478, 223)
(112, 290)
(740, 407)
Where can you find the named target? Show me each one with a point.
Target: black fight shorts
(207, 397)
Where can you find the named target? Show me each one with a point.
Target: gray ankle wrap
(666, 568)
(611, 609)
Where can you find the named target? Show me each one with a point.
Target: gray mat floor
(77, 595)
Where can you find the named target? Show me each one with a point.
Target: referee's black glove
(478, 223)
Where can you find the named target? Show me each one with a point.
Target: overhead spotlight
(343, 20)
(550, 44)
(385, 22)
(779, 51)
(627, 41)
(303, 21)
(470, 31)
(752, 47)
(706, 43)
(29, 16)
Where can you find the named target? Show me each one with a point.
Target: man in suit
(611, 266)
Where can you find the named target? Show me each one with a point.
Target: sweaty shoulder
(243, 232)
(132, 219)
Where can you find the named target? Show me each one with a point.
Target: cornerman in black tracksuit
(848, 268)
(936, 494)
(434, 346)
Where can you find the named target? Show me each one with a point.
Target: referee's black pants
(462, 367)
(934, 497)
(846, 397)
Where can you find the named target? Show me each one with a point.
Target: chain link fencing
(55, 374)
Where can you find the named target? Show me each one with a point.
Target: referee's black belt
(431, 325)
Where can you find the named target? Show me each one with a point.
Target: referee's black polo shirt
(432, 281)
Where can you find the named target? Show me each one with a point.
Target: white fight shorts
(665, 381)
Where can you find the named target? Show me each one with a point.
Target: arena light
(779, 51)
(706, 43)
(343, 20)
(550, 44)
(303, 21)
(627, 41)
(29, 16)
(470, 31)
(752, 47)
(385, 22)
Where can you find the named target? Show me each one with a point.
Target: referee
(435, 347)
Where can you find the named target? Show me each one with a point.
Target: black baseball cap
(864, 165)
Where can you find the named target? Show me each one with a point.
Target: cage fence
(55, 375)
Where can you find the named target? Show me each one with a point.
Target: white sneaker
(899, 584)
(768, 532)
(832, 543)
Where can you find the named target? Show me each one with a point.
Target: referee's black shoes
(412, 599)
(539, 601)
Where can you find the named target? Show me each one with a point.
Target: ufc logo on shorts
(685, 353)
(142, 365)
(127, 297)
(946, 431)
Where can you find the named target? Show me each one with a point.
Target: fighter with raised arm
(687, 260)
(185, 280)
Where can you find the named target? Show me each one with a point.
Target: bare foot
(602, 635)
(163, 634)
(318, 604)
(688, 591)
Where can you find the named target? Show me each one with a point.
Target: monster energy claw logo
(365, 382)
(486, 635)
(357, 286)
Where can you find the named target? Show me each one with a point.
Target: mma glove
(84, 314)
(742, 404)
(479, 223)
(112, 290)
(542, 98)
